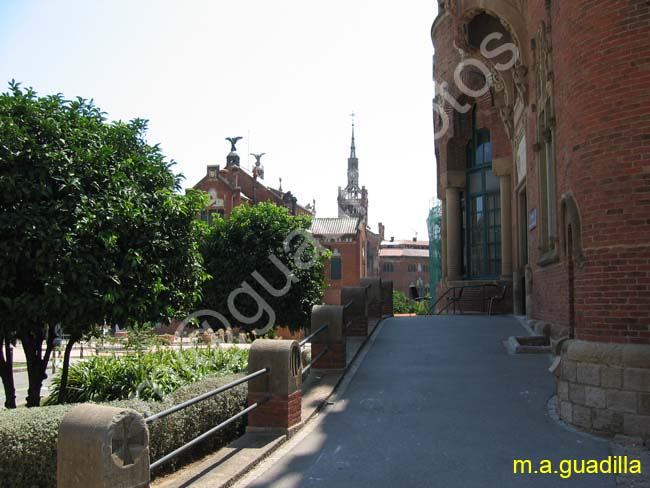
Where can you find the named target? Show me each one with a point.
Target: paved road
(437, 402)
(21, 381)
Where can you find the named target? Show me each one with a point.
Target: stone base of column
(334, 359)
(278, 414)
(605, 387)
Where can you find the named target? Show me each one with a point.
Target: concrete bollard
(333, 338)
(102, 447)
(355, 301)
(374, 297)
(282, 384)
(387, 298)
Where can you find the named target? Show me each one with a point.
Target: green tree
(267, 252)
(92, 227)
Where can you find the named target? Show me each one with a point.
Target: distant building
(355, 248)
(353, 200)
(407, 264)
(232, 185)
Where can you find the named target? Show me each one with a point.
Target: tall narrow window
(483, 209)
(545, 150)
(335, 273)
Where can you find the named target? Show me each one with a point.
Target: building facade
(407, 265)
(542, 119)
(232, 185)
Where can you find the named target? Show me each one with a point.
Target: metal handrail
(213, 430)
(348, 305)
(349, 324)
(456, 298)
(311, 363)
(207, 434)
(209, 394)
(313, 334)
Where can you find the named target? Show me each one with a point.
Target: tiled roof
(404, 253)
(334, 226)
(405, 243)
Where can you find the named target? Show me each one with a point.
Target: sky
(284, 74)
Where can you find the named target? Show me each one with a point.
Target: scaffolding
(434, 224)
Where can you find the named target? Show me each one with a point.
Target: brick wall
(601, 98)
(401, 276)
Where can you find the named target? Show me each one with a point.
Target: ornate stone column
(506, 227)
(454, 250)
(502, 167)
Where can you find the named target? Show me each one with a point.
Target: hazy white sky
(285, 74)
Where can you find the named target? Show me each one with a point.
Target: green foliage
(92, 226)
(147, 376)
(401, 304)
(28, 436)
(243, 243)
(28, 446)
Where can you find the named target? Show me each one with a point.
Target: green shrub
(146, 376)
(401, 304)
(28, 436)
(28, 446)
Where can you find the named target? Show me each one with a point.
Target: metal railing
(213, 430)
(307, 339)
(454, 295)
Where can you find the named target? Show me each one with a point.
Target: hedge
(28, 436)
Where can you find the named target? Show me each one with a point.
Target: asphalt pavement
(437, 402)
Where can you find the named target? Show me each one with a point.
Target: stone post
(386, 298)
(506, 227)
(103, 447)
(355, 302)
(282, 385)
(374, 297)
(453, 233)
(333, 338)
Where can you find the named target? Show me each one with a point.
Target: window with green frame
(482, 227)
(335, 268)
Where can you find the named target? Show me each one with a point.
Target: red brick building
(406, 263)
(542, 117)
(233, 185)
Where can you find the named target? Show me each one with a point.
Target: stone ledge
(610, 354)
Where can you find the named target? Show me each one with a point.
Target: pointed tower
(353, 200)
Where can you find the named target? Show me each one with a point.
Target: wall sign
(532, 219)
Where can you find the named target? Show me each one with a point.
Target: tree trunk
(63, 388)
(37, 362)
(7, 372)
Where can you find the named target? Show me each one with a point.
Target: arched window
(482, 208)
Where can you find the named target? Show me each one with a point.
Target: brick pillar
(282, 384)
(333, 338)
(355, 301)
(386, 298)
(374, 296)
(453, 233)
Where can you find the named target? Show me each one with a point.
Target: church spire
(353, 149)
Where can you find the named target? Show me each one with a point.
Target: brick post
(374, 297)
(355, 302)
(103, 447)
(386, 298)
(282, 384)
(333, 338)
